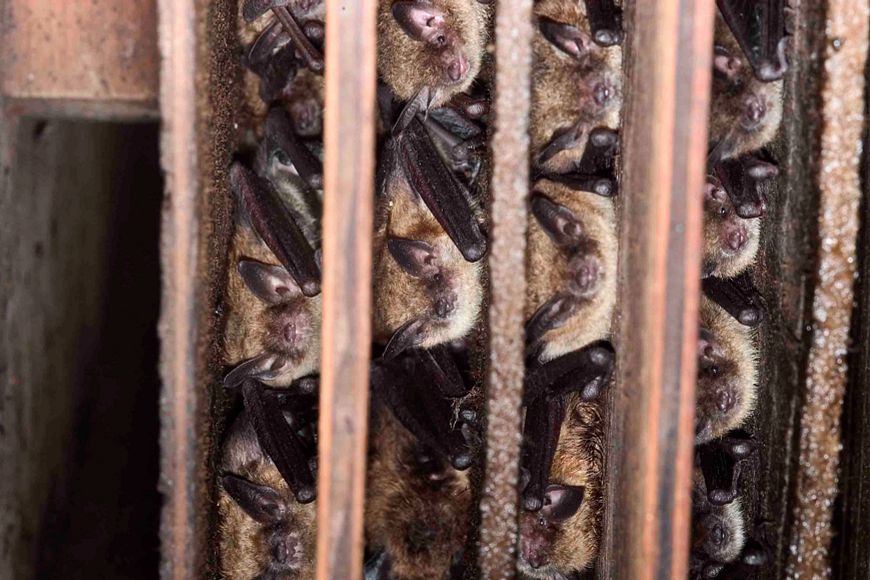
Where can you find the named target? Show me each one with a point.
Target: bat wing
(759, 27)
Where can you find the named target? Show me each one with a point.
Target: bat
(745, 111)
(738, 296)
(730, 241)
(417, 509)
(263, 531)
(460, 142)
(727, 373)
(563, 535)
(428, 293)
(273, 320)
(287, 14)
(759, 28)
(571, 256)
(745, 180)
(745, 567)
(430, 49)
(718, 531)
(576, 85)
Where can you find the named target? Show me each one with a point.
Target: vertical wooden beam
(664, 145)
(347, 258)
(839, 180)
(510, 144)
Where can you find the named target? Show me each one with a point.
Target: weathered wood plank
(349, 163)
(510, 144)
(651, 432)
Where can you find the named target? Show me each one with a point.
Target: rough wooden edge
(651, 432)
(510, 143)
(816, 483)
(349, 132)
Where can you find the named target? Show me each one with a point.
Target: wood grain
(102, 53)
(652, 405)
(349, 131)
(510, 186)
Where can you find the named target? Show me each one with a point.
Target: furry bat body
(718, 533)
(571, 255)
(576, 85)
(430, 47)
(563, 536)
(727, 373)
(263, 531)
(418, 507)
(745, 112)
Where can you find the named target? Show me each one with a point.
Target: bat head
(730, 242)
(745, 111)
(540, 530)
(303, 100)
(288, 324)
(718, 532)
(720, 389)
(276, 544)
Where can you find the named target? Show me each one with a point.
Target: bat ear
(271, 284)
(416, 257)
(562, 501)
(558, 221)
(407, 336)
(714, 191)
(261, 502)
(422, 22)
(263, 367)
(569, 39)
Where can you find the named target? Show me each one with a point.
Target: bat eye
(723, 211)
(542, 521)
(714, 370)
(440, 40)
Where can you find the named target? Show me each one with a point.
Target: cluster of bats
(430, 237)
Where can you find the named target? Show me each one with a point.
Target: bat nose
(601, 93)
(754, 111)
(725, 401)
(737, 239)
(457, 68)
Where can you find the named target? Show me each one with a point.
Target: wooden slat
(98, 56)
(839, 181)
(347, 247)
(510, 143)
(664, 144)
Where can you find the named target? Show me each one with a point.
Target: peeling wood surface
(100, 52)
(509, 189)
(349, 165)
(651, 432)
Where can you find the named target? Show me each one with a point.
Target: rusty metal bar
(97, 58)
(839, 182)
(664, 146)
(347, 257)
(510, 144)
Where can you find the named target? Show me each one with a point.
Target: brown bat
(571, 255)
(745, 111)
(718, 533)
(576, 86)
(730, 242)
(273, 320)
(727, 373)
(563, 536)
(431, 49)
(418, 507)
(263, 532)
(426, 292)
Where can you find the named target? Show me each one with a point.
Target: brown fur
(720, 260)
(547, 263)
(420, 521)
(728, 519)
(726, 107)
(248, 318)
(398, 296)
(407, 65)
(579, 461)
(556, 79)
(243, 542)
(740, 370)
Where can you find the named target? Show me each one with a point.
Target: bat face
(417, 505)
(730, 242)
(727, 373)
(426, 293)
(303, 100)
(717, 531)
(571, 255)
(263, 531)
(576, 84)
(435, 44)
(563, 536)
(745, 112)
